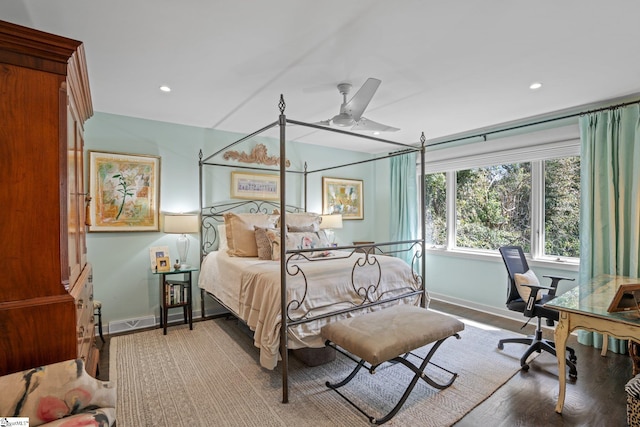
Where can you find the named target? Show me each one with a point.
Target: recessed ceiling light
(165, 88)
(535, 85)
(376, 133)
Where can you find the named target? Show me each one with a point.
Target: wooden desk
(585, 307)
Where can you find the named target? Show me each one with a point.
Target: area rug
(210, 376)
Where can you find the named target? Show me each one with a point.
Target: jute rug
(210, 376)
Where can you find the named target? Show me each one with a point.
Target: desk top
(593, 299)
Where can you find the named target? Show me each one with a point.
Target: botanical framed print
(343, 196)
(125, 192)
(255, 186)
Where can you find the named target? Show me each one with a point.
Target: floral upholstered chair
(60, 394)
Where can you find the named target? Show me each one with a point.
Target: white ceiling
(446, 66)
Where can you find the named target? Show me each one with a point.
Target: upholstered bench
(390, 335)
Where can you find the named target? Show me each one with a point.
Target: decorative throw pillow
(263, 243)
(527, 278)
(304, 240)
(303, 219)
(59, 391)
(240, 230)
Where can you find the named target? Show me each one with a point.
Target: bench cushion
(382, 335)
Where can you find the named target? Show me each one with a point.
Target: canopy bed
(262, 258)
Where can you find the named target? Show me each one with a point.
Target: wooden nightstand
(174, 294)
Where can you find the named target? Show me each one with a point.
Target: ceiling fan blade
(365, 124)
(356, 106)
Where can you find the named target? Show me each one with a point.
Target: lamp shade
(333, 221)
(181, 224)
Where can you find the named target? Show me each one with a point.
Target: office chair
(516, 263)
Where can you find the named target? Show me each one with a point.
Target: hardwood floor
(595, 398)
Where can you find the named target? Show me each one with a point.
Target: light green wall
(122, 278)
(481, 281)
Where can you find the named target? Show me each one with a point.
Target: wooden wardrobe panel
(46, 295)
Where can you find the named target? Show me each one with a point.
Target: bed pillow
(263, 243)
(222, 238)
(527, 278)
(303, 240)
(240, 231)
(303, 219)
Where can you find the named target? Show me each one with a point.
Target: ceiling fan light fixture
(342, 120)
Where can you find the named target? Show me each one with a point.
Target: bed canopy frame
(213, 214)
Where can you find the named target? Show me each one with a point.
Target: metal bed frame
(366, 254)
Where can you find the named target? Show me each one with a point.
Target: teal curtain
(610, 200)
(404, 203)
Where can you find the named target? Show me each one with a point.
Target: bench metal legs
(418, 370)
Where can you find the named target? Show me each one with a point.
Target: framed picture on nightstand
(156, 252)
(164, 263)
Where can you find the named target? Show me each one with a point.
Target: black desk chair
(516, 263)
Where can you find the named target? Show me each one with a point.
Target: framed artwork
(157, 252)
(343, 196)
(164, 264)
(255, 186)
(125, 192)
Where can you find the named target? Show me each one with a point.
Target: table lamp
(182, 224)
(330, 223)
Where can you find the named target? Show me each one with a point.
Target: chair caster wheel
(573, 375)
(525, 367)
(500, 346)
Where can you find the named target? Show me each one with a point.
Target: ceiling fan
(351, 112)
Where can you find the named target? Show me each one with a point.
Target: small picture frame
(156, 252)
(164, 263)
(627, 298)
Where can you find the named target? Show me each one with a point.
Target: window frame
(533, 147)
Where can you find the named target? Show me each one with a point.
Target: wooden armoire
(46, 289)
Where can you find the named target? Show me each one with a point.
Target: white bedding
(251, 288)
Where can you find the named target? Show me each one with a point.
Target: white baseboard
(502, 312)
(130, 325)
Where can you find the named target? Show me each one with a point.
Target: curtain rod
(567, 116)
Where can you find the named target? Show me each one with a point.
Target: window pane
(436, 208)
(562, 207)
(493, 207)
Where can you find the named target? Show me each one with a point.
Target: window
(522, 190)
(562, 207)
(494, 206)
(436, 209)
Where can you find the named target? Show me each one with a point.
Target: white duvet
(251, 288)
